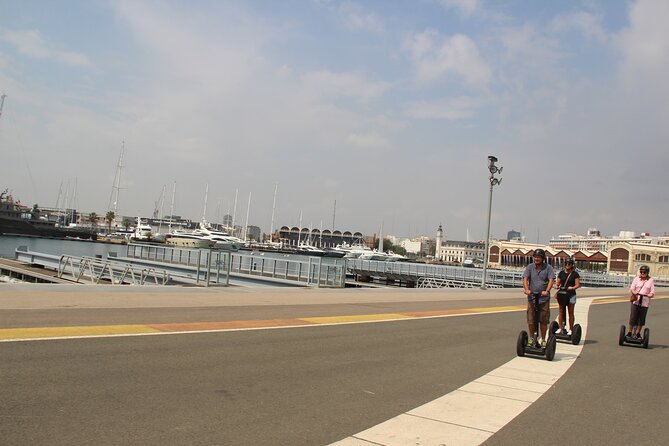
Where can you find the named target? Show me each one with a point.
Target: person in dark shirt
(538, 280)
(568, 281)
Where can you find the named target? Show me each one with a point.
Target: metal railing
(213, 266)
(413, 272)
(95, 270)
(117, 273)
(312, 271)
(200, 266)
(431, 282)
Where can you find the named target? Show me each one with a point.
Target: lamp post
(493, 182)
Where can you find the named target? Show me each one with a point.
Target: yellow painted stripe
(107, 330)
(59, 332)
(494, 309)
(606, 300)
(354, 318)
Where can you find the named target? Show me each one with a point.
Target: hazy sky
(388, 107)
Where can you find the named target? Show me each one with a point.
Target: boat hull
(11, 226)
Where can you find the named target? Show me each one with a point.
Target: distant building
(627, 257)
(421, 246)
(253, 232)
(293, 236)
(456, 251)
(593, 240)
(513, 235)
(515, 254)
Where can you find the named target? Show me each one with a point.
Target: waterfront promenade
(155, 365)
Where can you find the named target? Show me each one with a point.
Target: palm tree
(127, 223)
(110, 219)
(93, 218)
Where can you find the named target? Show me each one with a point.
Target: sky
(389, 108)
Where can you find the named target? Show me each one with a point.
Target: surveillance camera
(493, 159)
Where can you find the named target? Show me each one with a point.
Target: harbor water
(88, 248)
(56, 246)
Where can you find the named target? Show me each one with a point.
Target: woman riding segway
(568, 281)
(641, 292)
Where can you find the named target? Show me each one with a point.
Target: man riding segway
(538, 280)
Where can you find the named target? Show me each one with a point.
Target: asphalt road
(312, 385)
(611, 396)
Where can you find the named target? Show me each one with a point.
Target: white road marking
(471, 414)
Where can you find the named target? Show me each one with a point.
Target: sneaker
(543, 343)
(638, 335)
(530, 342)
(629, 334)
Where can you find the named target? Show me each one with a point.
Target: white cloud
(326, 83)
(587, 23)
(436, 56)
(356, 18)
(645, 44)
(466, 7)
(451, 109)
(644, 48)
(369, 140)
(31, 43)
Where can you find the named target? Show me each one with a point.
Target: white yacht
(188, 240)
(221, 239)
(311, 250)
(373, 255)
(142, 230)
(394, 257)
(357, 251)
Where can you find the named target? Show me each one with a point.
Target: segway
(523, 349)
(561, 332)
(641, 342)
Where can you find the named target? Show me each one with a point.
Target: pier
(143, 264)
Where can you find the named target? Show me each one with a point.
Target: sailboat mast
(162, 203)
(204, 211)
(2, 103)
(113, 198)
(271, 227)
(174, 190)
(334, 212)
(381, 238)
(246, 225)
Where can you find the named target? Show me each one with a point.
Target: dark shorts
(566, 299)
(544, 312)
(638, 315)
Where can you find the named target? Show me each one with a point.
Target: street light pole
(493, 182)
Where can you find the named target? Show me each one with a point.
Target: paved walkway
(477, 410)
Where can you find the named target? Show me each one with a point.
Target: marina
(141, 263)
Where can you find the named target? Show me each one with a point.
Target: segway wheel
(576, 334)
(646, 337)
(521, 343)
(621, 338)
(551, 345)
(553, 327)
